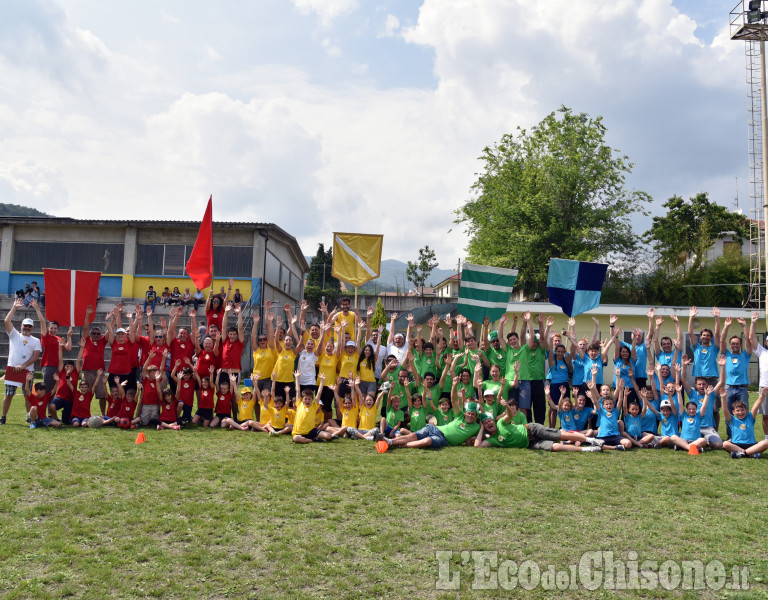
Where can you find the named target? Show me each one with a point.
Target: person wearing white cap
(397, 346)
(23, 351)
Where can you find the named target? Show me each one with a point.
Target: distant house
(729, 244)
(448, 288)
(425, 291)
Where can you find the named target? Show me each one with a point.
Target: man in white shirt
(23, 351)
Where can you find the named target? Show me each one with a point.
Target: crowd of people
(436, 384)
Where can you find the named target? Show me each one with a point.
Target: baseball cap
(485, 416)
(665, 404)
(121, 330)
(246, 390)
(351, 343)
(27, 322)
(488, 393)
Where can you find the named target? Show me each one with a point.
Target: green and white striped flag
(485, 292)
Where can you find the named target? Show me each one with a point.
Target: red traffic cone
(693, 450)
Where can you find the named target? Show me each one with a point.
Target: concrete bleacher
(103, 308)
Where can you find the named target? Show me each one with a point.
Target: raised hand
(693, 312)
(612, 319)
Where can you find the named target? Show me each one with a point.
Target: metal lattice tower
(755, 166)
(749, 23)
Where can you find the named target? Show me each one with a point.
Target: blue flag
(575, 286)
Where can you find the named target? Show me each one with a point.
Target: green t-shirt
(513, 356)
(418, 419)
(469, 390)
(492, 409)
(394, 416)
(434, 393)
(459, 431)
(537, 360)
(519, 418)
(497, 357)
(399, 390)
(443, 418)
(509, 435)
(426, 364)
(448, 358)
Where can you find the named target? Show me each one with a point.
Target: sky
(348, 115)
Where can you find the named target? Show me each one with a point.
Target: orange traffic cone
(693, 450)
(140, 439)
(382, 446)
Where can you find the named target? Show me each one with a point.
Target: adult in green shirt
(455, 433)
(535, 353)
(504, 433)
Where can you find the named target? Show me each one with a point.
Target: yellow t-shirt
(264, 362)
(266, 413)
(284, 366)
(305, 418)
(368, 417)
(347, 363)
(350, 328)
(275, 417)
(291, 416)
(245, 409)
(327, 366)
(349, 417)
(366, 372)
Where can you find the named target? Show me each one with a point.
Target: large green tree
(417, 272)
(320, 268)
(690, 228)
(556, 191)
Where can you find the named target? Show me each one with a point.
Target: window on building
(36, 256)
(171, 259)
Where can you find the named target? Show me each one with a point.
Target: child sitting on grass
(225, 397)
(691, 416)
(742, 443)
(81, 400)
(667, 415)
(631, 427)
(607, 413)
(346, 408)
(367, 416)
(170, 410)
(304, 429)
(245, 407)
(205, 400)
(38, 404)
(390, 425)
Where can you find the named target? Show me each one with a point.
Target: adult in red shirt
(232, 347)
(49, 340)
(214, 307)
(92, 351)
(67, 379)
(123, 354)
(207, 353)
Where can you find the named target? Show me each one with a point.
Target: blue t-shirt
(609, 421)
(705, 361)
(665, 358)
(588, 362)
(736, 368)
(668, 424)
(578, 370)
(708, 420)
(624, 368)
(641, 364)
(581, 417)
(567, 421)
(691, 427)
(650, 422)
(558, 373)
(634, 425)
(743, 432)
(660, 384)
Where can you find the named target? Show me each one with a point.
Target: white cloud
(391, 26)
(326, 10)
(330, 48)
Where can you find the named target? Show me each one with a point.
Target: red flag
(68, 293)
(200, 263)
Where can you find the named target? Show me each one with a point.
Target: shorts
(434, 434)
(90, 378)
(239, 422)
(222, 416)
(367, 387)
(79, 421)
(746, 446)
(763, 410)
(205, 413)
(710, 434)
(58, 402)
(524, 397)
(389, 432)
(167, 422)
(326, 399)
(610, 440)
(10, 389)
(310, 435)
(149, 413)
(44, 422)
(542, 438)
(186, 412)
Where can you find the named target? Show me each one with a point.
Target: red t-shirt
(215, 317)
(142, 346)
(181, 350)
(157, 359)
(231, 353)
(223, 403)
(113, 408)
(204, 360)
(123, 357)
(149, 395)
(93, 354)
(187, 393)
(81, 405)
(205, 398)
(50, 344)
(40, 403)
(168, 412)
(63, 391)
(127, 409)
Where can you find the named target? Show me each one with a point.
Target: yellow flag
(356, 257)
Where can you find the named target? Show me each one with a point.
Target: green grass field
(219, 514)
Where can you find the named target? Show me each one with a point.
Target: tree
(689, 229)
(417, 272)
(320, 268)
(556, 191)
(379, 318)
